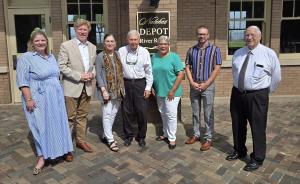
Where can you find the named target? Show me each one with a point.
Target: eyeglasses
(132, 58)
(202, 34)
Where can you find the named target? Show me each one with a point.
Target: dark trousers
(133, 104)
(251, 106)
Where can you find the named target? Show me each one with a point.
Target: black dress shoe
(252, 165)
(127, 142)
(142, 143)
(235, 155)
(172, 146)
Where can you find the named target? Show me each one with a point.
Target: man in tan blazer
(76, 61)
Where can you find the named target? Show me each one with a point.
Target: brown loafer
(192, 140)
(88, 146)
(84, 147)
(206, 146)
(68, 157)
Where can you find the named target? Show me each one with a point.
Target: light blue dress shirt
(263, 70)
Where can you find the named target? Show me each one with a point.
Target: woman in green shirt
(167, 70)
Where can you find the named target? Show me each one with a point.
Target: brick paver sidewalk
(156, 164)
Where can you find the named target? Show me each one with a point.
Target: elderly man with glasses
(138, 80)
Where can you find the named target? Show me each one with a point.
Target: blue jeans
(207, 97)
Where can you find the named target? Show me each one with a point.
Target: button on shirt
(141, 68)
(263, 70)
(202, 61)
(84, 52)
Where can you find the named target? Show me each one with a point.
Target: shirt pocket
(259, 71)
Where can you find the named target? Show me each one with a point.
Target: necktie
(241, 81)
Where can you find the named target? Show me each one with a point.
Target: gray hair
(163, 38)
(133, 33)
(255, 28)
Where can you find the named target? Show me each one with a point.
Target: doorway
(21, 22)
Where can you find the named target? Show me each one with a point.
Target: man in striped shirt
(203, 64)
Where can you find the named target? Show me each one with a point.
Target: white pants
(109, 111)
(168, 112)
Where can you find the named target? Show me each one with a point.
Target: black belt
(134, 80)
(249, 91)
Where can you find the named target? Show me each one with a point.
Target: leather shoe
(127, 142)
(84, 146)
(142, 143)
(235, 155)
(172, 146)
(252, 165)
(206, 146)
(192, 140)
(88, 145)
(68, 157)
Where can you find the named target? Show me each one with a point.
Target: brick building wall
(56, 23)
(5, 94)
(276, 25)
(118, 20)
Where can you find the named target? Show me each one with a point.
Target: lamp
(154, 3)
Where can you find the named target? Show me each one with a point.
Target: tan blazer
(71, 66)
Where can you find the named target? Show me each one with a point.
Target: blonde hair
(34, 33)
(80, 22)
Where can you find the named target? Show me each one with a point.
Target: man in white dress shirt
(256, 73)
(138, 81)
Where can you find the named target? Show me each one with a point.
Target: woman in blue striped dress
(43, 101)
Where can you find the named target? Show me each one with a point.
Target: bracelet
(28, 99)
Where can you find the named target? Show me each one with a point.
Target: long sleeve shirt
(137, 65)
(263, 70)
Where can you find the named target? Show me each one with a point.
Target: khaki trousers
(77, 110)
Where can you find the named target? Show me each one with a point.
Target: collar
(80, 43)
(198, 47)
(255, 50)
(130, 51)
(34, 53)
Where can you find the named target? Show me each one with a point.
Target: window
(91, 10)
(243, 13)
(290, 23)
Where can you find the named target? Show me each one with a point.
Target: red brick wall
(5, 95)
(118, 20)
(57, 30)
(276, 25)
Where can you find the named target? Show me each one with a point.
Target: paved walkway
(157, 164)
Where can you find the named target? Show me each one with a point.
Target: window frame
(262, 20)
(289, 58)
(66, 23)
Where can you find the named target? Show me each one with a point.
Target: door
(21, 22)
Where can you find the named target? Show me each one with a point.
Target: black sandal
(161, 138)
(113, 146)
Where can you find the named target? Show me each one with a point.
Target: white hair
(255, 28)
(133, 33)
(163, 38)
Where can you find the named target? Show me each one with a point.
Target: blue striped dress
(48, 122)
